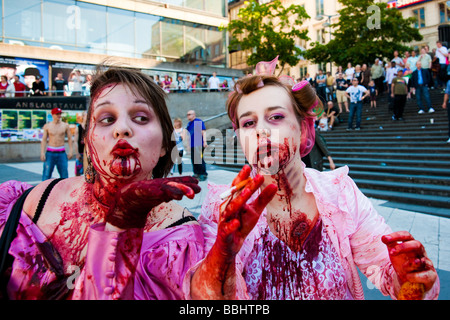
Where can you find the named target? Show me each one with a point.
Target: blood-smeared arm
(216, 276)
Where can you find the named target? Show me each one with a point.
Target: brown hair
(302, 100)
(153, 94)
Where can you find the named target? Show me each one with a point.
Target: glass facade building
(128, 29)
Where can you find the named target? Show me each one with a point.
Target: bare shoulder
(166, 214)
(58, 194)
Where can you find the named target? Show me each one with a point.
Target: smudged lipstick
(123, 149)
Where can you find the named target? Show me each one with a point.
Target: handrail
(216, 116)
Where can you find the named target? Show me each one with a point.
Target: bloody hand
(134, 201)
(215, 278)
(238, 218)
(409, 259)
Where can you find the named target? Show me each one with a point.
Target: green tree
(366, 30)
(268, 30)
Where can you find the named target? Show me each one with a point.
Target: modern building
(47, 37)
(151, 35)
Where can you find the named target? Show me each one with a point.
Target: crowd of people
(414, 73)
(201, 83)
(76, 85)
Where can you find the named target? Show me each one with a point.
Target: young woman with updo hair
(294, 232)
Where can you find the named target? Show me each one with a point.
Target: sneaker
(202, 177)
(448, 141)
(195, 176)
(394, 118)
(358, 129)
(421, 111)
(349, 129)
(431, 110)
(400, 119)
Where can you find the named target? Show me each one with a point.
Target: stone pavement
(432, 231)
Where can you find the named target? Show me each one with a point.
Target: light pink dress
(348, 235)
(119, 265)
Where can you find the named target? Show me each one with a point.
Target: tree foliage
(268, 30)
(360, 37)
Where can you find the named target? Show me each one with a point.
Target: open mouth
(126, 159)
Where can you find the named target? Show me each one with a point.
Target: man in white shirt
(442, 54)
(349, 72)
(356, 93)
(398, 61)
(213, 83)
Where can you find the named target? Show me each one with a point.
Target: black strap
(8, 235)
(43, 199)
(181, 221)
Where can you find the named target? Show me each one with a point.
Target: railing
(30, 93)
(216, 116)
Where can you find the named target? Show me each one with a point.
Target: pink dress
(118, 265)
(347, 236)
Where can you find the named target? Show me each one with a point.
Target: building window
(419, 14)
(320, 36)
(319, 7)
(444, 13)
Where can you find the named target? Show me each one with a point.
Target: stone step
(437, 180)
(413, 188)
(410, 198)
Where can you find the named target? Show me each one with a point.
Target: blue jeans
(422, 91)
(55, 158)
(355, 108)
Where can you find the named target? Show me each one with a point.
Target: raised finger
(236, 204)
(393, 238)
(184, 189)
(412, 246)
(264, 198)
(184, 179)
(242, 175)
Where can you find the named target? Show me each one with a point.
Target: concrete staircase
(405, 162)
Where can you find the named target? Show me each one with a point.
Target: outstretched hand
(134, 201)
(410, 260)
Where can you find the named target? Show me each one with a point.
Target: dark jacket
(315, 158)
(414, 81)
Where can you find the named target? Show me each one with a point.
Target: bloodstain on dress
(275, 272)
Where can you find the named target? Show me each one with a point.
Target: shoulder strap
(43, 199)
(8, 235)
(181, 221)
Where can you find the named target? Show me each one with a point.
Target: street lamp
(326, 24)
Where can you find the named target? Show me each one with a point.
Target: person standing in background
(60, 84)
(38, 88)
(79, 140)
(399, 91)
(197, 131)
(179, 135)
(213, 83)
(20, 88)
(53, 152)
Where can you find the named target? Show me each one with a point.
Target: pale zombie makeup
(125, 140)
(269, 131)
